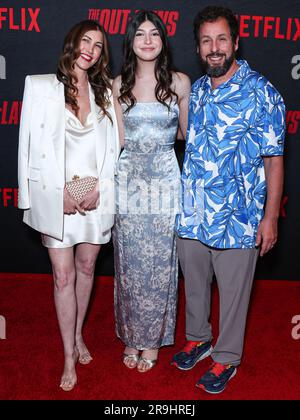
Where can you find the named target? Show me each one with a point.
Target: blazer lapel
(57, 108)
(100, 128)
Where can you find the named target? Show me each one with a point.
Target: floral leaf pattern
(145, 253)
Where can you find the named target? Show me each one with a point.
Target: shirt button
(44, 187)
(43, 155)
(42, 125)
(111, 150)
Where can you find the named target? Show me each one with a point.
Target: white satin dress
(80, 160)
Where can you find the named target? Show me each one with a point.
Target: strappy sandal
(148, 362)
(85, 358)
(131, 357)
(67, 384)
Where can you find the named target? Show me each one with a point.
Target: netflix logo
(10, 112)
(115, 21)
(269, 27)
(9, 197)
(19, 19)
(292, 121)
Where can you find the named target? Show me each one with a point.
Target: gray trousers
(234, 270)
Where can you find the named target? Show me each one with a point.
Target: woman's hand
(70, 204)
(91, 200)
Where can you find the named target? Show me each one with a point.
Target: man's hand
(266, 235)
(267, 230)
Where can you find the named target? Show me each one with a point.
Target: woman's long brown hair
(163, 66)
(98, 74)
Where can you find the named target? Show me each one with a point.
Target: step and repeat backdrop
(31, 36)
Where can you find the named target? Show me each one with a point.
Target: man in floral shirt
(232, 185)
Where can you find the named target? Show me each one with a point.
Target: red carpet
(31, 356)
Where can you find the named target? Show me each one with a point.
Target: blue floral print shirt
(230, 130)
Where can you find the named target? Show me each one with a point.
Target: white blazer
(41, 160)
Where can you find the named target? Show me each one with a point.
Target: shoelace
(217, 368)
(190, 345)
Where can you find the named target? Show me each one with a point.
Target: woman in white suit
(68, 131)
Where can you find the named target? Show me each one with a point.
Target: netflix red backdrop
(31, 34)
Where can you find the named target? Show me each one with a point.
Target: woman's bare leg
(85, 260)
(63, 267)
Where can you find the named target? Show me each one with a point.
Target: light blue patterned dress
(146, 270)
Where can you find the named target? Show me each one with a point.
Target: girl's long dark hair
(163, 66)
(98, 74)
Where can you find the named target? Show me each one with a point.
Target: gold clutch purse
(79, 187)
